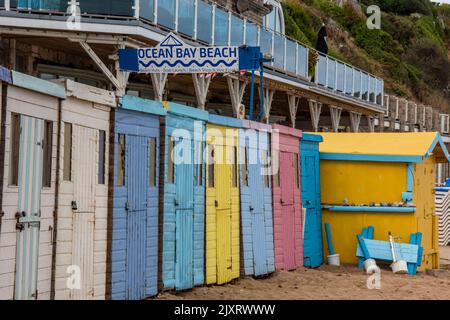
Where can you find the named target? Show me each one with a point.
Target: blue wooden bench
(368, 248)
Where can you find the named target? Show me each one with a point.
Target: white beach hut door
(84, 157)
(29, 207)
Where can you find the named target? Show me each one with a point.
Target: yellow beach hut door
(84, 177)
(224, 215)
(29, 207)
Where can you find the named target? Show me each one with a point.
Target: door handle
(126, 206)
(251, 208)
(281, 201)
(308, 202)
(74, 205)
(20, 215)
(216, 203)
(176, 202)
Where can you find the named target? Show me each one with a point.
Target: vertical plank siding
(82, 231)
(134, 236)
(313, 247)
(222, 210)
(288, 221)
(256, 205)
(183, 227)
(32, 247)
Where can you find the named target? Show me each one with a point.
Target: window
(265, 163)
(210, 166)
(296, 171)
(101, 156)
(121, 152)
(170, 162)
(234, 167)
(47, 155)
(276, 175)
(67, 169)
(15, 150)
(152, 170)
(244, 157)
(198, 153)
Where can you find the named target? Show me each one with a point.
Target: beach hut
(222, 199)
(133, 240)
(287, 207)
(384, 180)
(82, 194)
(183, 220)
(29, 108)
(257, 250)
(310, 173)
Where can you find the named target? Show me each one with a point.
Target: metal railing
(212, 25)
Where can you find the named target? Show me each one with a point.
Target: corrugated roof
(388, 145)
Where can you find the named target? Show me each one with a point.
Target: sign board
(5, 75)
(172, 55)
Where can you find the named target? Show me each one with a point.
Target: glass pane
(290, 56)
(322, 70)
(170, 162)
(379, 92)
(210, 166)
(152, 156)
(302, 61)
(365, 86)
(52, 5)
(279, 51)
(147, 9)
(251, 36)
(204, 22)
(166, 13)
(220, 28)
(198, 163)
(357, 85)
(340, 77)
(107, 7)
(101, 156)
(186, 13)
(372, 89)
(67, 169)
(15, 150)
(2, 3)
(265, 41)
(237, 31)
(331, 79)
(121, 160)
(348, 80)
(243, 164)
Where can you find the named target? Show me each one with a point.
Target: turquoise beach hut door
(184, 211)
(137, 165)
(29, 213)
(312, 244)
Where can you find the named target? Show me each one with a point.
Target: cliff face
(411, 51)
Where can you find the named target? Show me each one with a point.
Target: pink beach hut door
(287, 209)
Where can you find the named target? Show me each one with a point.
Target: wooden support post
(315, 109)
(268, 99)
(237, 90)
(355, 120)
(371, 123)
(117, 84)
(293, 101)
(335, 117)
(201, 86)
(159, 83)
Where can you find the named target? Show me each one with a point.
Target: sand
(326, 282)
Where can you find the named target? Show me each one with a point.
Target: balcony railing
(210, 24)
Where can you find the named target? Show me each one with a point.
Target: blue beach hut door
(312, 244)
(137, 167)
(256, 182)
(29, 207)
(184, 211)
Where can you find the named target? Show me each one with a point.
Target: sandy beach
(337, 283)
